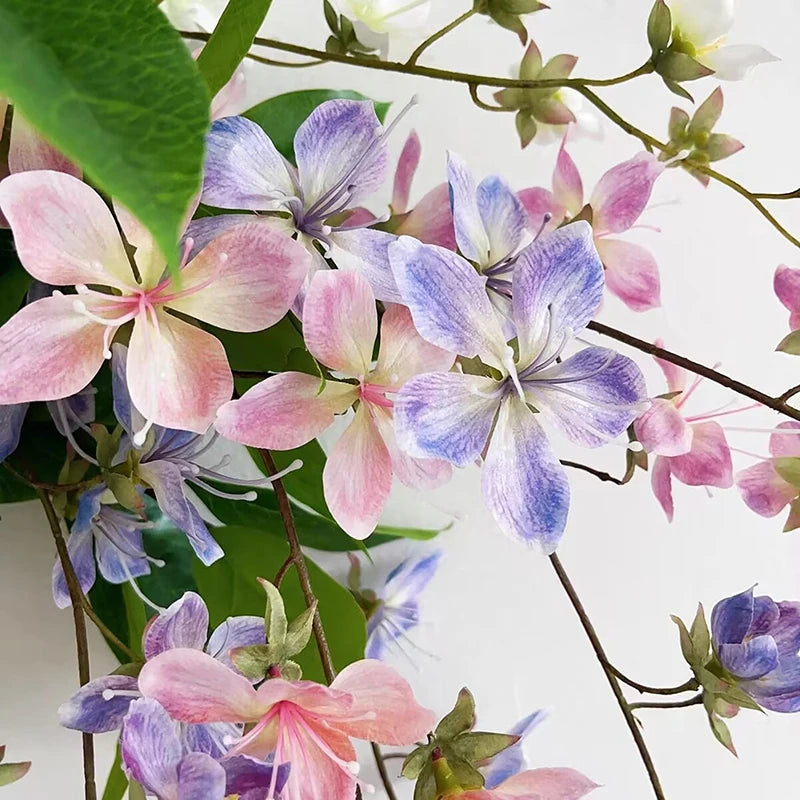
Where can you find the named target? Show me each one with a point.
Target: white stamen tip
(156, 562)
(635, 447)
(108, 694)
(223, 257)
(414, 101)
(58, 293)
(295, 465)
(107, 354)
(326, 230)
(139, 437)
(228, 740)
(79, 306)
(354, 767)
(250, 496)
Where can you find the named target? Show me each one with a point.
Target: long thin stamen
(171, 298)
(774, 431)
(110, 694)
(70, 436)
(207, 487)
(574, 379)
(720, 413)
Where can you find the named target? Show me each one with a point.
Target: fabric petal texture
(764, 490)
(183, 624)
(662, 429)
(709, 461)
(471, 236)
(95, 708)
(786, 284)
(631, 273)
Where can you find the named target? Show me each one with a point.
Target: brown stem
(385, 779)
(692, 701)
(81, 642)
(775, 403)
(51, 487)
(689, 686)
(788, 394)
(281, 573)
(298, 560)
(597, 646)
(599, 474)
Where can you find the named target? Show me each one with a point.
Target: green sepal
(680, 67)
(460, 719)
(299, 632)
(13, 771)
(677, 89)
(275, 621)
(659, 27)
(790, 344)
(253, 661)
(425, 788)
(291, 671)
(125, 492)
(107, 444)
(477, 746)
(788, 467)
(526, 127)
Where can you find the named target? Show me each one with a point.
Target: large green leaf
(230, 587)
(116, 783)
(14, 281)
(112, 85)
(281, 116)
(232, 38)
(265, 351)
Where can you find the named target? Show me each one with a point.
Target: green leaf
(790, 344)
(231, 41)
(136, 617)
(14, 281)
(281, 116)
(460, 719)
(114, 88)
(230, 587)
(13, 490)
(117, 782)
(789, 469)
(12, 772)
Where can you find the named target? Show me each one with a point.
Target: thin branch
(692, 701)
(788, 394)
(793, 195)
(434, 37)
(473, 93)
(599, 474)
(388, 756)
(689, 686)
(299, 562)
(775, 403)
(81, 642)
(50, 487)
(385, 779)
(281, 573)
(597, 646)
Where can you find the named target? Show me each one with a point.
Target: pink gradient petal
(623, 192)
(403, 352)
(763, 490)
(357, 477)
(549, 783)
(63, 231)
(246, 278)
(284, 411)
(431, 220)
(675, 375)
(785, 444)
(148, 257)
(28, 150)
(661, 482)
(314, 697)
(178, 375)
(662, 430)
(194, 687)
(340, 322)
(567, 184)
(404, 174)
(49, 351)
(539, 202)
(384, 709)
(631, 273)
(786, 284)
(709, 461)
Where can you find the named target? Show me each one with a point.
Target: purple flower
(102, 704)
(154, 754)
(591, 396)
(511, 761)
(341, 159)
(757, 641)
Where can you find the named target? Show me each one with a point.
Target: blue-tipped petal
(752, 659)
(370, 251)
(11, 419)
(446, 415)
(448, 301)
(183, 624)
(127, 416)
(200, 777)
(731, 618)
(235, 632)
(88, 710)
(524, 485)
(409, 578)
(119, 549)
(471, 235)
(504, 217)
(558, 287)
(511, 761)
(80, 546)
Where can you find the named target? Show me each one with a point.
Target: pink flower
(763, 488)
(300, 722)
(617, 202)
(287, 410)
(178, 375)
(537, 784)
(693, 449)
(787, 287)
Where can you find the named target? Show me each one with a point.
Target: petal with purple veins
(100, 705)
(183, 624)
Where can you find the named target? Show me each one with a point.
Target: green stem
(692, 701)
(434, 37)
(689, 686)
(473, 93)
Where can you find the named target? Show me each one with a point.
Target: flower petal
(471, 235)
(367, 251)
(623, 192)
(538, 203)
(431, 220)
(558, 287)
(341, 140)
(409, 578)
(751, 659)
(194, 687)
(524, 485)
(243, 170)
(763, 490)
(178, 375)
(553, 783)
(662, 430)
(63, 231)
(661, 482)
(702, 22)
(244, 774)
(212, 738)
(407, 166)
(119, 549)
(11, 419)
(357, 477)
(631, 273)
(89, 711)
(448, 300)
(592, 396)
(785, 444)
(676, 376)
(734, 61)
(511, 761)
(149, 259)
(384, 709)
(708, 463)
(567, 184)
(731, 618)
(165, 479)
(284, 411)
(150, 748)
(446, 415)
(80, 546)
(183, 624)
(340, 322)
(200, 777)
(235, 632)
(244, 280)
(786, 284)
(28, 150)
(50, 351)
(503, 216)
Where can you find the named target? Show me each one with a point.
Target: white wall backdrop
(495, 618)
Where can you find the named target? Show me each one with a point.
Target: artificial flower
(101, 704)
(178, 375)
(591, 396)
(617, 202)
(763, 486)
(546, 783)
(511, 761)
(757, 641)
(375, 21)
(303, 723)
(700, 29)
(340, 324)
(786, 284)
(691, 448)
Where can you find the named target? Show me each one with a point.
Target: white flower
(376, 20)
(588, 123)
(193, 15)
(702, 26)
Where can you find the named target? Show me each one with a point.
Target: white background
(495, 618)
